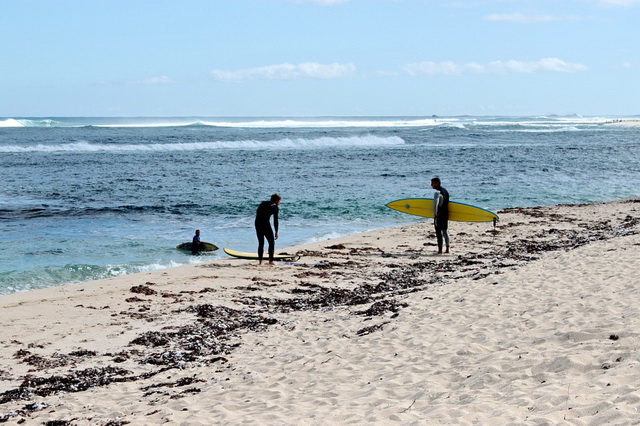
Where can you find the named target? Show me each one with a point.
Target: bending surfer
(265, 210)
(441, 214)
(196, 244)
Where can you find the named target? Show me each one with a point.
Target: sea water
(91, 198)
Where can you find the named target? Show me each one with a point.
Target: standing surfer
(265, 210)
(441, 214)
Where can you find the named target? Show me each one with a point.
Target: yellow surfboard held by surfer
(459, 212)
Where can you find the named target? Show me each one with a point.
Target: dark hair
(275, 197)
(436, 179)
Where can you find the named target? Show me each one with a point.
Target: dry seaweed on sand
(203, 339)
(371, 329)
(201, 342)
(76, 381)
(382, 307)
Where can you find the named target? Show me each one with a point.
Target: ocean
(91, 198)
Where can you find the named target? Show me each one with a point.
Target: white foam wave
(238, 123)
(324, 123)
(541, 129)
(326, 142)
(288, 123)
(10, 122)
(331, 235)
(136, 125)
(454, 125)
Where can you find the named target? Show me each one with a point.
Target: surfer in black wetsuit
(265, 210)
(441, 214)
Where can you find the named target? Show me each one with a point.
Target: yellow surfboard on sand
(459, 212)
(254, 256)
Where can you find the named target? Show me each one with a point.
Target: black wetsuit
(441, 221)
(263, 227)
(196, 245)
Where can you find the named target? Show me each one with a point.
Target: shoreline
(293, 248)
(372, 326)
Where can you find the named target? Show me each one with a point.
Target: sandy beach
(534, 321)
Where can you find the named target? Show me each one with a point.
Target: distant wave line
(275, 124)
(258, 123)
(326, 142)
(542, 129)
(337, 122)
(326, 123)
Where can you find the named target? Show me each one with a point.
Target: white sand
(508, 329)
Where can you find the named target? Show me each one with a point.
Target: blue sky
(318, 58)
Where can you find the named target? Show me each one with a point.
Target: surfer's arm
(437, 202)
(275, 220)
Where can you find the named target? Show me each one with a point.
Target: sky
(305, 58)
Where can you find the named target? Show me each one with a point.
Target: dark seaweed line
(200, 343)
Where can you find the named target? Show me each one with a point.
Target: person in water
(441, 214)
(196, 244)
(265, 210)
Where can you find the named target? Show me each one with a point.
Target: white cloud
(307, 70)
(546, 64)
(495, 67)
(153, 81)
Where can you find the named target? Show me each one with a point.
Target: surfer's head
(275, 198)
(435, 182)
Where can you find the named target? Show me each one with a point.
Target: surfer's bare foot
(439, 252)
(271, 263)
(447, 250)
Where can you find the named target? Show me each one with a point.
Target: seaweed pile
(202, 342)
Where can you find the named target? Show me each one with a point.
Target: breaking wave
(300, 143)
(48, 276)
(257, 123)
